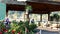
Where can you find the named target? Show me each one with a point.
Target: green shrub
(32, 27)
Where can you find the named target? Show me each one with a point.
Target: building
(38, 7)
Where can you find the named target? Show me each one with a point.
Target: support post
(41, 18)
(48, 16)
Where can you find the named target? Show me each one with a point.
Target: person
(6, 21)
(32, 21)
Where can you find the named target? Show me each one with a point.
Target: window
(56, 12)
(36, 17)
(16, 15)
(44, 17)
(54, 15)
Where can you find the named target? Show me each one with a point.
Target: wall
(2, 11)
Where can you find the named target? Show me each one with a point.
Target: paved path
(49, 32)
(48, 29)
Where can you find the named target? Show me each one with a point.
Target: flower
(0, 32)
(6, 31)
(13, 31)
(27, 30)
(18, 33)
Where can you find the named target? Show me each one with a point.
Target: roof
(24, 2)
(43, 7)
(45, 1)
(14, 2)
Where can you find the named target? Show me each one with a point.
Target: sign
(2, 11)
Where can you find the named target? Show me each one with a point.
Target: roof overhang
(15, 7)
(56, 2)
(43, 7)
(37, 6)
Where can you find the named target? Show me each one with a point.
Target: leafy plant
(18, 27)
(28, 7)
(32, 27)
(55, 16)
